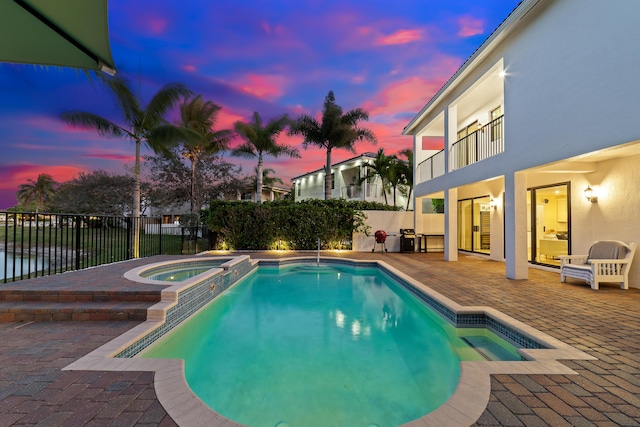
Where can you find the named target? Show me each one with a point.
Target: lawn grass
(71, 248)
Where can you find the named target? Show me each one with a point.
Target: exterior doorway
(474, 225)
(549, 223)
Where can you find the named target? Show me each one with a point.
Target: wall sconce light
(590, 194)
(493, 205)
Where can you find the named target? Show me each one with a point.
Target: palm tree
(408, 173)
(260, 140)
(337, 130)
(38, 192)
(396, 175)
(138, 124)
(380, 168)
(267, 181)
(196, 135)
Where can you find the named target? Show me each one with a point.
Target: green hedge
(287, 224)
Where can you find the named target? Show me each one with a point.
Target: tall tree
(96, 192)
(396, 176)
(260, 141)
(267, 179)
(408, 174)
(171, 180)
(37, 193)
(197, 138)
(337, 130)
(380, 168)
(139, 122)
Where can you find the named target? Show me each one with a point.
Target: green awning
(65, 33)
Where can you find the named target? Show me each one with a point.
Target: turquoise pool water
(181, 272)
(329, 346)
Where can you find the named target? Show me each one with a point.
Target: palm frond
(161, 102)
(103, 126)
(125, 97)
(245, 150)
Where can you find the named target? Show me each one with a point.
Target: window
(496, 112)
(496, 124)
(299, 187)
(333, 181)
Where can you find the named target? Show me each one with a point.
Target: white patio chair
(607, 261)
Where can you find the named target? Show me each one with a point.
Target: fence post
(160, 234)
(181, 240)
(129, 228)
(78, 240)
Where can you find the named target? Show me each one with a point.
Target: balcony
(431, 167)
(484, 143)
(356, 191)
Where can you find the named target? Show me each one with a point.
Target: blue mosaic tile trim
(469, 320)
(191, 300)
(324, 261)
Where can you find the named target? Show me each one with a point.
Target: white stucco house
(546, 108)
(346, 183)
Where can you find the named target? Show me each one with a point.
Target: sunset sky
(273, 57)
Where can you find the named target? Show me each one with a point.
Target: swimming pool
(316, 346)
(538, 351)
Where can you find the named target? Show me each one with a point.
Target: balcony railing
(355, 191)
(431, 167)
(479, 145)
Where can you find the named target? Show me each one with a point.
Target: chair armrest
(573, 259)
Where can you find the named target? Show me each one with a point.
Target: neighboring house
(171, 214)
(346, 183)
(269, 193)
(546, 108)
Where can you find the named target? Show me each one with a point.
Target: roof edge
(506, 26)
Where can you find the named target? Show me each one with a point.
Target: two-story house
(347, 183)
(534, 143)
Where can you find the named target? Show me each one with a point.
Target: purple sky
(271, 57)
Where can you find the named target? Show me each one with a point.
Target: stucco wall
(616, 214)
(389, 221)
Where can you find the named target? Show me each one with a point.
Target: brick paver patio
(605, 323)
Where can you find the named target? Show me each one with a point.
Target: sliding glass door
(549, 223)
(474, 225)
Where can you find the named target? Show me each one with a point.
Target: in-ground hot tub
(168, 272)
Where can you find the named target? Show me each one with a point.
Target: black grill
(407, 240)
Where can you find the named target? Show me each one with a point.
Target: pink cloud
(408, 95)
(111, 156)
(13, 175)
(470, 26)
(154, 24)
(400, 37)
(263, 86)
(227, 117)
(189, 68)
(275, 29)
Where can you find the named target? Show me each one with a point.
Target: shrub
(285, 224)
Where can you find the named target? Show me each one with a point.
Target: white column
(451, 224)
(450, 133)
(516, 225)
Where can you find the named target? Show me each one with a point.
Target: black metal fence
(479, 145)
(39, 244)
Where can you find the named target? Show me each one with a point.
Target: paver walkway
(605, 323)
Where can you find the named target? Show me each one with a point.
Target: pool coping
(463, 408)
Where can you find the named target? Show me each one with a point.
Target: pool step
(42, 311)
(21, 304)
(16, 294)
